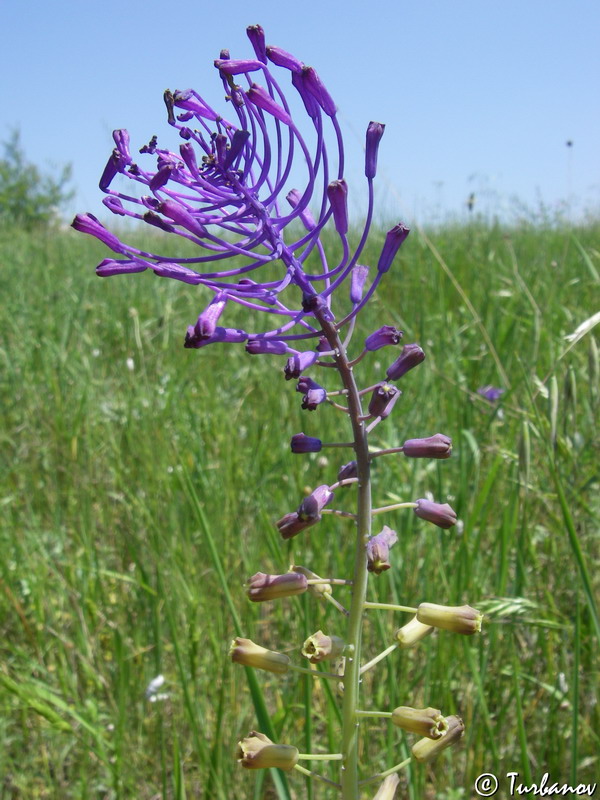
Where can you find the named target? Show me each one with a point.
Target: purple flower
(384, 398)
(223, 189)
(410, 357)
(383, 336)
(374, 134)
(266, 346)
(263, 587)
(305, 444)
(439, 513)
(312, 505)
(314, 394)
(491, 393)
(297, 363)
(437, 446)
(337, 192)
(378, 550)
(291, 525)
(394, 238)
(357, 283)
(349, 470)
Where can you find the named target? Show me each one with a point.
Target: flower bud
(249, 654)
(427, 722)
(410, 357)
(387, 790)
(349, 470)
(235, 66)
(458, 619)
(337, 192)
(384, 398)
(357, 283)
(291, 525)
(305, 444)
(437, 446)
(382, 337)
(374, 133)
(257, 751)
(261, 587)
(394, 238)
(88, 223)
(207, 321)
(320, 647)
(283, 59)
(315, 589)
(425, 750)
(378, 550)
(310, 508)
(266, 346)
(314, 394)
(316, 87)
(441, 514)
(297, 363)
(256, 35)
(259, 97)
(411, 633)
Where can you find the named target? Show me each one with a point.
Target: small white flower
(152, 694)
(130, 364)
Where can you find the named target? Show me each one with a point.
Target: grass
(138, 477)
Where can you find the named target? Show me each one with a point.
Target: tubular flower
(426, 750)
(320, 647)
(257, 751)
(427, 722)
(225, 189)
(436, 446)
(412, 633)
(441, 514)
(263, 587)
(246, 652)
(378, 550)
(458, 619)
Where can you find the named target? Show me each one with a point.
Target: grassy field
(138, 477)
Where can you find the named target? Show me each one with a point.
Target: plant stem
(391, 607)
(350, 790)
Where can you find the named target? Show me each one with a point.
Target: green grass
(125, 456)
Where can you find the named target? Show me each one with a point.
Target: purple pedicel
(223, 191)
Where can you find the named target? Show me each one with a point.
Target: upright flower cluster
(224, 192)
(227, 190)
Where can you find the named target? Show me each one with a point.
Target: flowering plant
(224, 192)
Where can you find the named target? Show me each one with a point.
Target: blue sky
(477, 95)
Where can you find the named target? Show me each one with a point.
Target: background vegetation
(124, 456)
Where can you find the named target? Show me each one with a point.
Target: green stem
(391, 771)
(315, 673)
(360, 713)
(378, 658)
(391, 607)
(350, 790)
(320, 756)
(316, 775)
